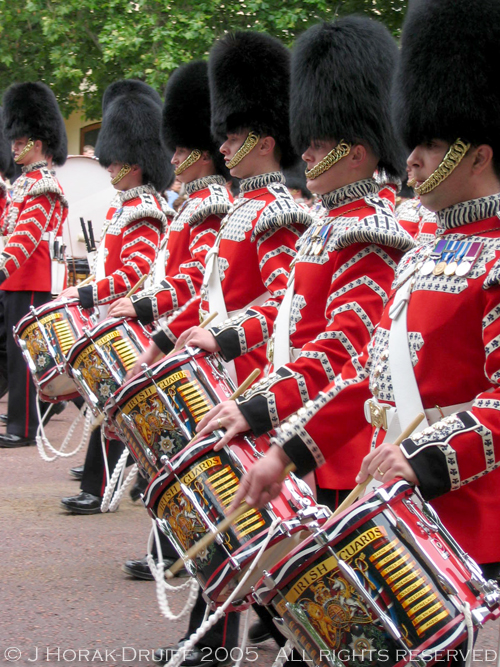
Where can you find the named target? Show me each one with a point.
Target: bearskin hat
(129, 87)
(341, 88)
(447, 81)
(6, 159)
(130, 132)
(31, 110)
(186, 113)
(249, 74)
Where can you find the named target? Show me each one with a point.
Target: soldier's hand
(148, 357)
(226, 415)
(262, 483)
(69, 293)
(197, 337)
(385, 463)
(122, 308)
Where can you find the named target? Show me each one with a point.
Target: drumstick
(137, 286)
(243, 387)
(352, 497)
(86, 281)
(203, 325)
(221, 527)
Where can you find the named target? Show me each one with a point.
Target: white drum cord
(115, 487)
(158, 572)
(283, 654)
(47, 451)
(178, 657)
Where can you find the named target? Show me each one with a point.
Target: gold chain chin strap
(248, 145)
(126, 169)
(193, 157)
(341, 150)
(25, 151)
(451, 160)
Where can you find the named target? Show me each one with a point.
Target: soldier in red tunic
(129, 148)
(441, 324)
(346, 261)
(199, 165)
(248, 266)
(38, 210)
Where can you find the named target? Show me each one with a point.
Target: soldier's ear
(483, 158)
(267, 145)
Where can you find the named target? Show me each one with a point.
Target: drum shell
(45, 336)
(189, 383)
(194, 493)
(420, 581)
(100, 360)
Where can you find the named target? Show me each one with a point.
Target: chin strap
(449, 163)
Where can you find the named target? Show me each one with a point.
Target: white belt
(384, 415)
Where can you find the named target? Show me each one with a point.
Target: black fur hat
(249, 74)
(130, 133)
(341, 88)
(186, 113)
(31, 110)
(447, 82)
(6, 159)
(129, 87)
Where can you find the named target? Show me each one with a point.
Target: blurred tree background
(78, 47)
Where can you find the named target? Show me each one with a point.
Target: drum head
(88, 189)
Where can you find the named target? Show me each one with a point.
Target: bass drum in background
(87, 187)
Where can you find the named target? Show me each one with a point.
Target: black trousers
(94, 470)
(22, 414)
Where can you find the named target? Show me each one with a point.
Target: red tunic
(131, 239)
(38, 207)
(257, 245)
(191, 234)
(453, 331)
(341, 287)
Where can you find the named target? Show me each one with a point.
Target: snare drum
(156, 413)
(382, 583)
(45, 336)
(193, 495)
(102, 357)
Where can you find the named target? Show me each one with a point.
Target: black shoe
(139, 569)
(85, 503)
(199, 656)
(258, 633)
(3, 418)
(10, 441)
(76, 472)
(140, 485)
(55, 409)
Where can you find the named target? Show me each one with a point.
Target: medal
(448, 253)
(472, 253)
(439, 268)
(429, 266)
(459, 253)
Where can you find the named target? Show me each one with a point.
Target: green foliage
(81, 46)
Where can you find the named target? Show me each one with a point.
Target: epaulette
(493, 277)
(217, 203)
(282, 212)
(45, 185)
(147, 208)
(380, 227)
